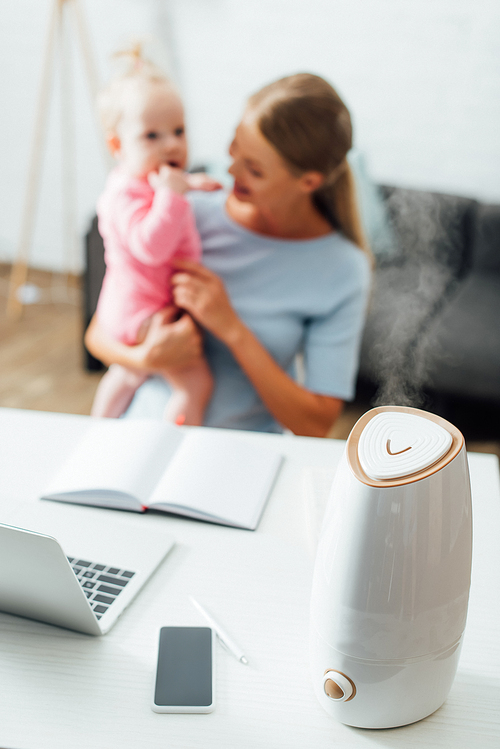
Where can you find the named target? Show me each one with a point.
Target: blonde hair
(306, 121)
(136, 73)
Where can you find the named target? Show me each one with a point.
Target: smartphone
(185, 674)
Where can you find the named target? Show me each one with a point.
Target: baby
(145, 222)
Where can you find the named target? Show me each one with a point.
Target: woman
(286, 271)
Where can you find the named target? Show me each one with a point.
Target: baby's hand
(170, 176)
(201, 181)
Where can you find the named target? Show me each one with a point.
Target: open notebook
(210, 474)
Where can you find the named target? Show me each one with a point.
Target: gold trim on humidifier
(353, 442)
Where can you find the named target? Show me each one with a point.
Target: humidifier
(392, 573)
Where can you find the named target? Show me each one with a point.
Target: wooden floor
(41, 356)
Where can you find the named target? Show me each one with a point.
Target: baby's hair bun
(133, 71)
(130, 61)
(133, 54)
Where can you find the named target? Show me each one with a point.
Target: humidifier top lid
(396, 444)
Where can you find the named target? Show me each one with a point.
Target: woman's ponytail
(338, 203)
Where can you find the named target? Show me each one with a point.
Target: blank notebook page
(222, 478)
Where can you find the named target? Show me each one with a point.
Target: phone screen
(184, 673)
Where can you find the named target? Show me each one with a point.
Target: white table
(60, 689)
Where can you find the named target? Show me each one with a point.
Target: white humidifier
(392, 575)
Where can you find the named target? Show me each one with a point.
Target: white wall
(422, 80)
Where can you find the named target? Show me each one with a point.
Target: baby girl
(145, 222)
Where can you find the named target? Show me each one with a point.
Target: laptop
(83, 593)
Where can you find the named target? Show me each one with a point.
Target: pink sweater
(142, 231)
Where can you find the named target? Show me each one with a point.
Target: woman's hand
(170, 343)
(179, 181)
(202, 181)
(201, 292)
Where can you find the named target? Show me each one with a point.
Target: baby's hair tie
(134, 53)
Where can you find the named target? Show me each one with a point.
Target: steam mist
(409, 288)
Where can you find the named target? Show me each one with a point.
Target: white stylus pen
(221, 633)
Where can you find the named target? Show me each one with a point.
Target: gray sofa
(432, 336)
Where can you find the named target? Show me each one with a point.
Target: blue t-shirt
(297, 296)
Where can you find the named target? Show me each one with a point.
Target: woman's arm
(202, 294)
(168, 344)
(295, 407)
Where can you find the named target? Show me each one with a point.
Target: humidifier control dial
(338, 687)
(396, 444)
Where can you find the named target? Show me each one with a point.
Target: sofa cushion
(431, 226)
(460, 352)
(486, 239)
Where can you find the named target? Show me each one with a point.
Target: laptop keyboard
(101, 584)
